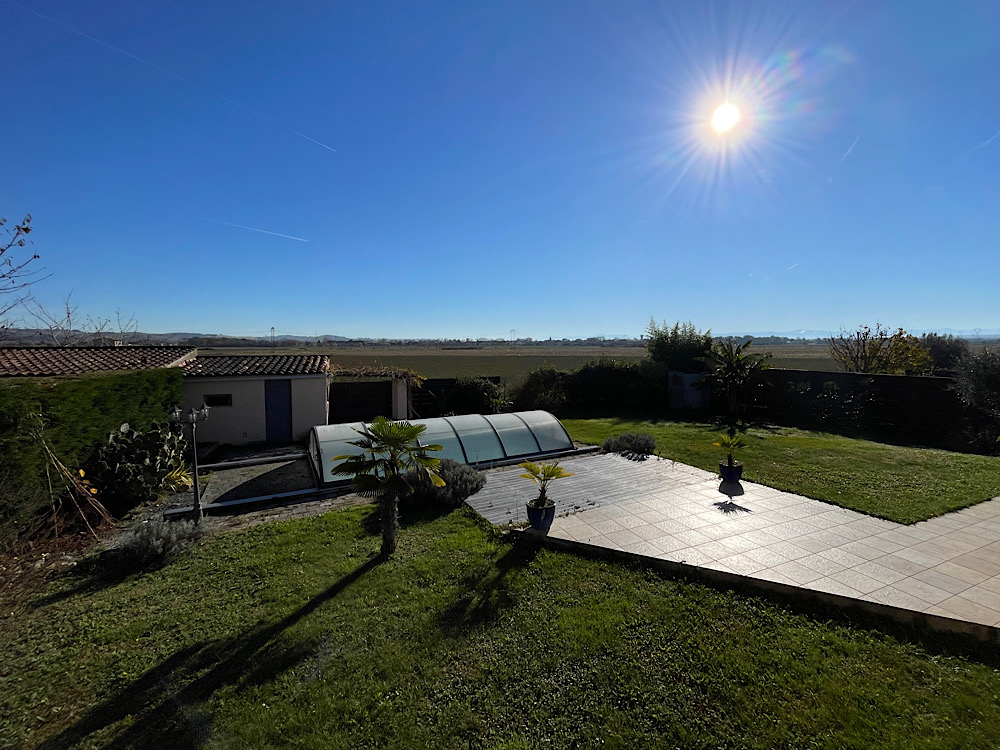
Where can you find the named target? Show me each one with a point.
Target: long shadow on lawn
(486, 594)
(162, 702)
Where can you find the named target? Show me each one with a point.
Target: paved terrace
(947, 567)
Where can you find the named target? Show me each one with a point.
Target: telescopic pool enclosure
(474, 439)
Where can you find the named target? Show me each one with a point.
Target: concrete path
(948, 566)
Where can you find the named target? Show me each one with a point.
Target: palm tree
(733, 370)
(542, 474)
(388, 451)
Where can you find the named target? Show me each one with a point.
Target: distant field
(513, 364)
(801, 357)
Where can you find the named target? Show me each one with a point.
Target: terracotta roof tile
(250, 365)
(35, 361)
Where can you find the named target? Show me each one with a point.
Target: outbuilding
(257, 399)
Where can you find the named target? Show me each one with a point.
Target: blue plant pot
(541, 518)
(730, 473)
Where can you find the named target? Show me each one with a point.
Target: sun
(725, 117)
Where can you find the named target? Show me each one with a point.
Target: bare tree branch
(17, 274)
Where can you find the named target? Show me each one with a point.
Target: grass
(290, 635)
(900, 484)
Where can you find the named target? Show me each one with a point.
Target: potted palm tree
(542, 510)
(730, 470)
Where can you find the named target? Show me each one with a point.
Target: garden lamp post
(193, 418)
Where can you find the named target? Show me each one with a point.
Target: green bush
(461, 482)
(630, 442)
(133, 466)
(977, 382)
(544, 388)
(603, 385)
(473, 396)
(681, 348)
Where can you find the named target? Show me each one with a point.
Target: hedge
(78, 415)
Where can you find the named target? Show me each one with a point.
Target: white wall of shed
(246, 420)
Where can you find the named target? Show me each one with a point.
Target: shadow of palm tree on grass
(487, 594)
(162, 702)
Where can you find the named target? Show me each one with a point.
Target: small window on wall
(219, 399)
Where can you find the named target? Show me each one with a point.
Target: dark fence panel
(427, 401)
(911, 409)
(360, 400)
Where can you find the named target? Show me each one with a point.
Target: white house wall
(245, 421)
(310, 404)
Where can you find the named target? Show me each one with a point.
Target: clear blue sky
(464, 169)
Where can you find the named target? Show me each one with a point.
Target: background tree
(17, 273)
(945, 350)
(682, 348)
(907, 356)
(733, 372)
(389, 451)
(876, 351)
(68, 328)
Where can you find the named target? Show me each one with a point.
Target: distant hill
(43, 337)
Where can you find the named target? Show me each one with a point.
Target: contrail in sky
(984, 144)
(262, 231)
(791, 266)
(848, 152)
(198, 86)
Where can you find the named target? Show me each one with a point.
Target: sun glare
(725, 117)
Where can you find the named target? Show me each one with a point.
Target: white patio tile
(983, 597)
(844, 558)
(797, 572)
(624, 538)
(690, 556)
(862, 549)
(630, 522)
(830, 586)
(893, 597)
(649, 532)
(968, 610)
(643, 548)
(651, 516)
(939, 550)
(714, 550)
(766, 555)
(923, 591)
(789, 549)
(669, 543)
(962, 573)
(743, 565)
(885, 575)
(606, 527)
(857, 580)
(979, 564)
(920, 558)
(692, 537)
(821, 565)
(809, 543)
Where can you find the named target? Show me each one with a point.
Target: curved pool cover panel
(469, 439)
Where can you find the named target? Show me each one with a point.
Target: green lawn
(901, 484)
(290, 636)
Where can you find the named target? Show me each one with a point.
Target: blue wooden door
(278, 410)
